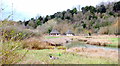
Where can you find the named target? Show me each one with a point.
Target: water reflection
(82, 44)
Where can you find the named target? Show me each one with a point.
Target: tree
(84, 25)
(52, 16)
(59, 15)
(40, 18)
(63, 14)
(116, 6)
(83, 10)
(26, 22)
(32, 24)
(38, 22)
(101, 9)
(45, 19)
(92, 9)
(74, 11)
(32, 18)
(68, 16)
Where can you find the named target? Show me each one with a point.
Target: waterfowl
(52, 57)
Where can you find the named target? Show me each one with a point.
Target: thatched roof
(54, 31)
(69, 32)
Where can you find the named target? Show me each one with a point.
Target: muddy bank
(42, 42)
(95, 52)
(98, 42)
(58, 41)
(101, 40)
(37, 43)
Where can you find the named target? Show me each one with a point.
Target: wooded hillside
(88, 19)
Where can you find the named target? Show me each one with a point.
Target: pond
(82, 44)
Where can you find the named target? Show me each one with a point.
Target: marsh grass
(36, 43)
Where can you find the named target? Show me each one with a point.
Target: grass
(64, 57)
(114, 42)
(114, 39)
(50, 37)
(8, 52)
(112, 45)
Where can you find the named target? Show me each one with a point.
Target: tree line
(89, 17)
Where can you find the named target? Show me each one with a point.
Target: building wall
(69, 34)
(55, 34)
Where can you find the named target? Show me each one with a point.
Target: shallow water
(82, 44)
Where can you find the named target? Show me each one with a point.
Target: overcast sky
(26, 9)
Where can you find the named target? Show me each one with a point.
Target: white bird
(51, 57)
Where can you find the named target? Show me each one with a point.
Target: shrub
(103, 30)
(15, 32)
(9, 54)
(112, 29)
(35, 43)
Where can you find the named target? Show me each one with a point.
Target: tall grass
(11, 35)
(36, 43)
(9, 54)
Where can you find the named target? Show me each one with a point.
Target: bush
(10, 30)
(9, 54)
(112, 29)
(15, 32)
(35, 43)
(103, 30)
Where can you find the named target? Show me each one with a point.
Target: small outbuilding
(69, 33)
(54, 32)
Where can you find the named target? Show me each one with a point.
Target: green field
(114, 42)
(42, 56)
(115, 39)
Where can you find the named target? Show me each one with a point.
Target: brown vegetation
(9, 54)
(14, 31)
(36, 43)
(95, 52)
(11, 35)
(112, 29)
(40, 43)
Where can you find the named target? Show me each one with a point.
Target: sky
(26, 9)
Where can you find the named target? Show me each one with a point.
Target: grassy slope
(41, 56)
